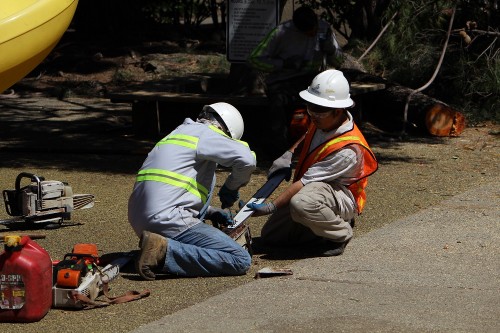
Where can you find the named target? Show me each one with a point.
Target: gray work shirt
(166, 207)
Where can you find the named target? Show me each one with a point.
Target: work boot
(152, 254)
(334, 248)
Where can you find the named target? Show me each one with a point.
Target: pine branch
(480, 32)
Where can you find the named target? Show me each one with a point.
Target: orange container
(299, 124)
(25, 280)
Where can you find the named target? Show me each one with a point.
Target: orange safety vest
(353, 136)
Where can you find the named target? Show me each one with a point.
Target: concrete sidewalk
(435, 271)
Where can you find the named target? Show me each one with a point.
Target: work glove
(294, 62)
(261, 209)
(281, 163)
(219, 216)
(228, 197)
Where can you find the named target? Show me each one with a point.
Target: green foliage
(412, 45)
(161, 11)
(121, 76)
(336, 12)
(480, 84)
(408, 53)
(410, 49)
(190, 12)
(214, 64)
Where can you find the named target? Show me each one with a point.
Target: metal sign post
(248, 23)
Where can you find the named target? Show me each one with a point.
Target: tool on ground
(79, 274)
(43, 201)
(272, 272)
(79, 280)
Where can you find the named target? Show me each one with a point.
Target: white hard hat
(230, 117)
(329, 89)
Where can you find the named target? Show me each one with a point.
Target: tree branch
(481, 32)
(405, 120)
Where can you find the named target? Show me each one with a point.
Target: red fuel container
(25, 280)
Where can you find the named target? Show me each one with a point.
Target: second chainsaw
(43, 201)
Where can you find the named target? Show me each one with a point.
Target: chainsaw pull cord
(128, 296)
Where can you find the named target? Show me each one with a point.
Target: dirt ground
(78, 68)
(414, 173)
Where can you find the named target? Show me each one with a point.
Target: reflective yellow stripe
(257, 52)
(174, 179)
(187, 141)
(215, 129)
(340, 139)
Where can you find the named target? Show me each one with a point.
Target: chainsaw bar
(83, 201)
(260, 196)
(11, 221)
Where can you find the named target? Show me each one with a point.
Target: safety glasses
(318, 112)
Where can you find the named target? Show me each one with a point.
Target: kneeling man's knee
(301, 205)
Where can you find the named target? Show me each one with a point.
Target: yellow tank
(29, 30)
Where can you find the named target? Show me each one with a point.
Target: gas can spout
(12, 240)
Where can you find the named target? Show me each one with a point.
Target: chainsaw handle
(79, 256)
(31, 176)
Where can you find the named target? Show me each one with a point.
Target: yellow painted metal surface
(29, 30)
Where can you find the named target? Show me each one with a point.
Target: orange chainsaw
(79, 279)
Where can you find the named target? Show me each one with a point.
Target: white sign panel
(248, 23)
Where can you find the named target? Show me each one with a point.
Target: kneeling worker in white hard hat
(172, 195)
(328, 188)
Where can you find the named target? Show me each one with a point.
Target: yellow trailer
(29, 30)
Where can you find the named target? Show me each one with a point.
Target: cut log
(426, 115)
(441, 120)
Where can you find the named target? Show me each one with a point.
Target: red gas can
(25, 280)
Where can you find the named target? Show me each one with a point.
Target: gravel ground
(88, 143)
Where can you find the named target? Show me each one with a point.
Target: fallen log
(425, 114)
(442, 120)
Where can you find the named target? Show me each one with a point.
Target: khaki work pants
(312, 214)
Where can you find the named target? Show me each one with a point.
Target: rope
(425, 86)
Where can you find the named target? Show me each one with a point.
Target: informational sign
(248, 22)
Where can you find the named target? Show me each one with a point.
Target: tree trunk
(425, 115)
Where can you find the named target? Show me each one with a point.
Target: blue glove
(228, 197)
(281, 163)
(264, 208)
(219, 216)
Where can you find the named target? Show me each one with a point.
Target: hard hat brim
(344, 103)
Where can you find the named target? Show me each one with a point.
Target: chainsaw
(43, 201)
(239, 230)
(78, 279)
